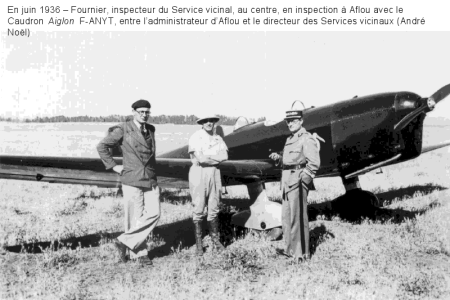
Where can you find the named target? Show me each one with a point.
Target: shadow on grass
(182, 232)
(175, 196)
(169, 238)
(355, 209)
(317, 236)
(171, 234)
(386, 198)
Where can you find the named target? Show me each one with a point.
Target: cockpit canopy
(240, 122)
(298, 105)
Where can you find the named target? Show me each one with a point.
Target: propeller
(427, 105)
(441, 93)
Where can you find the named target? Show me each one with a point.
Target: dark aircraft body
(358, 133)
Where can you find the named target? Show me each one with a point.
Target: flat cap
(141, 103)
(294, 114)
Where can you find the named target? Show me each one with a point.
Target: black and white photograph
(225, 165)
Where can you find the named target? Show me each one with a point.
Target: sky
(251, 74)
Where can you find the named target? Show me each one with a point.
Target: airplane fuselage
(358, 133)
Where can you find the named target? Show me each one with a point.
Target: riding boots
(198, 238)
(214, 233)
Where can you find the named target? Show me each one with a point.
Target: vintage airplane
(358, 135)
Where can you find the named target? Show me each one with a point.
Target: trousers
(142, 213)
(205, 186)
(295, 222)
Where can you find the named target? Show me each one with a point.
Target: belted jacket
(300, 150)
(139, 163)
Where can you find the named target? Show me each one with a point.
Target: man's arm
(277, 157)
(222, 154)
(311, 152)
(194, 149)
(219, 157)
(111, 140)
(208, 160)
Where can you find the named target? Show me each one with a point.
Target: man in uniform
(207, 149)
(300, 161)
(141, 193)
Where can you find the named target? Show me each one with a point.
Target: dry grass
(56, 242)
(376, 259)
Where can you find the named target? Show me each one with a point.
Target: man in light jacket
(207, 150)
(301, 160)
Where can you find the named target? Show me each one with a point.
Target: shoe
(299, 260)
(144, 261)
(121, 250)
(198, 238)
(282, 252)
(214, 233)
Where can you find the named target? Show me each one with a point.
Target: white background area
(234, 73)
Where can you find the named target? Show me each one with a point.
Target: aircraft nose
(411, 108)
(407, 103)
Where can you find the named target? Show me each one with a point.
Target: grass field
(56, 239)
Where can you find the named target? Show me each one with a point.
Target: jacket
(139, 163)
(300, 149)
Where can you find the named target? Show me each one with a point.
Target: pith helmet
(203, 119)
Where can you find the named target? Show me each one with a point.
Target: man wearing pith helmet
(300, 161)
(136, 139)
(207, 150)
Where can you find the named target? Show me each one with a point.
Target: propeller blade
(409, 117)
(425, 107)
(441, 93)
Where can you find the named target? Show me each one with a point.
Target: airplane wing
(172, 172)
(71, 170)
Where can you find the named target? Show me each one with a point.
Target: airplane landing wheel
(369, 198)
(356, 204)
